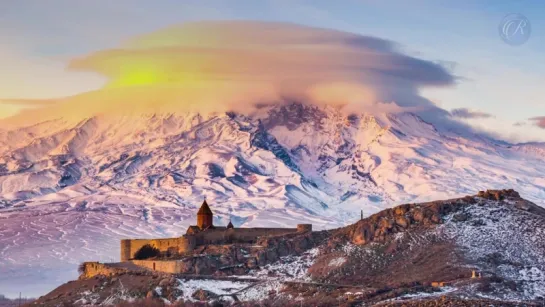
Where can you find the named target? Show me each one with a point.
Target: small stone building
(205, 233)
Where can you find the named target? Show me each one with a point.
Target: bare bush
(145, 252)
(81, 268)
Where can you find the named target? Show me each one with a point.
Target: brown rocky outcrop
(402, 221)
(203, 295)
(294, 244)
(379, 227)
(498, 194)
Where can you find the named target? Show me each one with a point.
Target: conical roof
(230, 225)
(205, 209)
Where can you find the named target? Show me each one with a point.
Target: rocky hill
(472, 251)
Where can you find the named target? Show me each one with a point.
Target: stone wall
(91, 269)
(174, 245)
(129, 247)
(304, 227)
(188, 243)
(238, 235)
(165, 266)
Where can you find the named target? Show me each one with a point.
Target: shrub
(81, 268)
(145, 252)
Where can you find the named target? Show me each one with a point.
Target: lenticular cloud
(285, 58)
(225, 66)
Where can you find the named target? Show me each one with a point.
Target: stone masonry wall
(304, 227)
(91, 269)
(165, 266)
(212, 236)
(238, 235)
(176, 245)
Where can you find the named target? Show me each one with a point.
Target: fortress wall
(234, 235)
(130, 246)
(251, 234)
(304, 227)
(164, 244)
(125, 250)
(211, 236)
(176, 245)
(165, 266)
(186, 244)
(91, 269)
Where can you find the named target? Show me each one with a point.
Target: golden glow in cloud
(221, 66)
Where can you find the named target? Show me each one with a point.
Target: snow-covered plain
(69, 190)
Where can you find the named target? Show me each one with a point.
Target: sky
(452, 50)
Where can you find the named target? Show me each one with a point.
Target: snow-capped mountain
(71, 189)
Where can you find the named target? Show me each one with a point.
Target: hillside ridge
(411, 253)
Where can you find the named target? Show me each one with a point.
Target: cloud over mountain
(229, 65)
(469, 114)
(258, 51)
(539, 121)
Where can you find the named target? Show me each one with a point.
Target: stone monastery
(205, 233)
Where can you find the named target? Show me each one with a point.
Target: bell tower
(204, 216)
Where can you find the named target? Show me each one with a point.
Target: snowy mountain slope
(536, 149)
(144, 175)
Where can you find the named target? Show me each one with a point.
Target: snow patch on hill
(504, 241)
